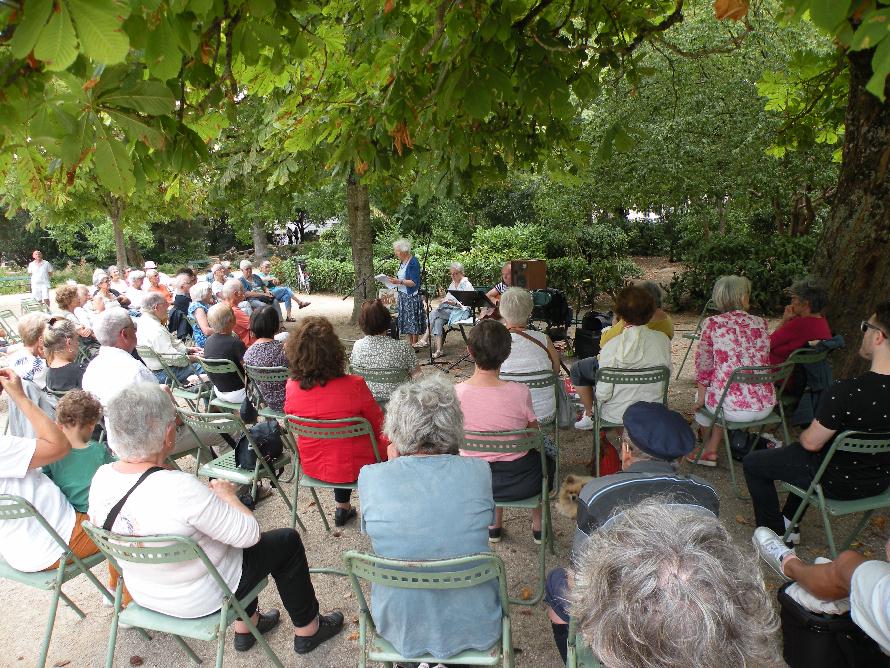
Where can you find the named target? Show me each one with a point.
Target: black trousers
(790, 464)
(342, 494)
(280, 553)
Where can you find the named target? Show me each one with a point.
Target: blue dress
(411, 318)
(199, 336)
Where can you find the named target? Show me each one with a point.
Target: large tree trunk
(855, 243)
(260, 244)
(358, 217)
(115, 213)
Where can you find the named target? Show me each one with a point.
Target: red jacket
(347, 396)
(794, 334)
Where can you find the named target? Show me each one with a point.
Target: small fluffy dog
(567, 504)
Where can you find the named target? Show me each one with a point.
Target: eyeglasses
(864, 326)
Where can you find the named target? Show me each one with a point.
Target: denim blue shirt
(433, 507)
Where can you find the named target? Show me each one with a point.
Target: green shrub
(81, 273)
(771, 264)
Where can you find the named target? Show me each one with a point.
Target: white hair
(516, 306)
(730, 293)
(220, 317)
(245, 264)
(31, 327)
(231, 288)
(108, 326)
(401, 245)
(199, 290)
(653, 289)
(137, 419)
(151, 272)
(424, 416)
(457, 266)
(216, 268)
(151, 301)
(135, 276)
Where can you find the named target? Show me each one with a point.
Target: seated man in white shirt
(151, 331)
(24, 544)
(114, 367)
(135, 292)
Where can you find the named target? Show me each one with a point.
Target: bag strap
(116, 509)
(531, 338)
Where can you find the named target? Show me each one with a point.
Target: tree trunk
(358, 217)
(855, 243)
(115, 213)
(721, 211)
(260, 245)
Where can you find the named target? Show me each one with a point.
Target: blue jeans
(283, 294)
(181, 372)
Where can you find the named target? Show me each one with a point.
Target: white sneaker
(585, 423)
(772, 550)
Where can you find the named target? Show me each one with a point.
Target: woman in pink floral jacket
(732, 339)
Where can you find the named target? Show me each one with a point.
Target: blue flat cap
(658, 431)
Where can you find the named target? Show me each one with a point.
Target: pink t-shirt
(505, 407)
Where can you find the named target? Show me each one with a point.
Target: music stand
(471, 299)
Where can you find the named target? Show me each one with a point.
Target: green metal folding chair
(222, 366)
(194, 394)
(144, 550)
(265, 374)
(520, 442)
(695, 335)
(10, 322)
(31, 305)
(442, 574)
(384, 376)
(15, 508)
(335, 430)
(615, 376)
(578, 654)
(538, 380)
(802, 356)
(226, 467)
(860, 443)
(775, 374)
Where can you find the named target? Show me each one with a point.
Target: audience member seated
(377, 350)
(265, 351)
(660, 321)
(152, 332)
(156, 285)
(654, 440)
(255, 291)
(142, 429)
(182, 284)
(114, 367)
(866, 582)
(665, 585)
(135, 293)
(63, 372)
(202, 300)
(530, 351)
(636, 347)
(217, 279)
(117, 282)
(27, 361)
(104, 298)
(319, 388)
(163, 278)
(281, 293)
(859, 404)
(428, 503)
(233, 295)
(24, 544)
(492, 405)
(802, 321)
(77, 415)
(222, 345)
(729, 340)
(448, 312)
(68, 299)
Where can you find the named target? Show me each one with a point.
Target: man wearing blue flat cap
(654, 438)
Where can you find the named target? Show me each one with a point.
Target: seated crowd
(655, 580)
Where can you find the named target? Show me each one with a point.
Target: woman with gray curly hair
(427, 502)
(662, 584)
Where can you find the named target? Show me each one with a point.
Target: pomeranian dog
(567, 504)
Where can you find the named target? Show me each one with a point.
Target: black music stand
(471, 299)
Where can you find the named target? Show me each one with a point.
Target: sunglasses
(864, 326)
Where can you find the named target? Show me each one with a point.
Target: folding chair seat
(442, 574)
(166, 550)
(521, 441)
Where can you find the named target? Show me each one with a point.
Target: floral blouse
(728, 341)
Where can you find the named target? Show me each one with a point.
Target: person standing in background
(40, 271)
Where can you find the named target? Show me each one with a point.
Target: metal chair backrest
(14, 507)
(217, 423)
(221, 366)
(772, 374)
(807, 356)
(534, 380)
(147, 353)
(457, 573)
(331, 429)
(517, 441)
(646, 376)
(859, 442)
(263, 374)
(10, 322)
(387, 376)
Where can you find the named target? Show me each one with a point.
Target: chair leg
(729, 464)
(112, 635)
(253, 630)
(829, 534)
(190, 653)
(324, 519)
(70, 604)
(683, 363)
(295, 518)
(51, 617)
(859, 527)
(596, 448)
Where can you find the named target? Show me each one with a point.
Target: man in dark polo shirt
(858, 404)
(654, 439)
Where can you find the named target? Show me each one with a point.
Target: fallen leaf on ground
(352, 636)
(525, 594)
(879, 522)
(741, 519)
(63, 662)
(526, 612)
(336, 534)
(136, 660)
(310, 504)
(856, 545)
(355, 620)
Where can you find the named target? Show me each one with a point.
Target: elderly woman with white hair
(104, 297)
(28, 361)
(255, 291)
(135, 292)
(427, 502)
(448, 312)
(530, 351)
(118, 284)
(729, 340)
(407, 281)
(141, 424)
(202, 299)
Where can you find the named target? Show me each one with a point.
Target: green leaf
(261, 7)
(57, 45)
(114, 168)
(477, 100)
(880, 64)
(162, 52)
(873, 29)
(137, 129)
(828, 14)
(24, 38)
(99, 29)
(149, 97)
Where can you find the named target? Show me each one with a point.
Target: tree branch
(523, 23)
(673, 18)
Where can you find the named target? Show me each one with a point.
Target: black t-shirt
(64, 378)
(858, 404)
(225, 347)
